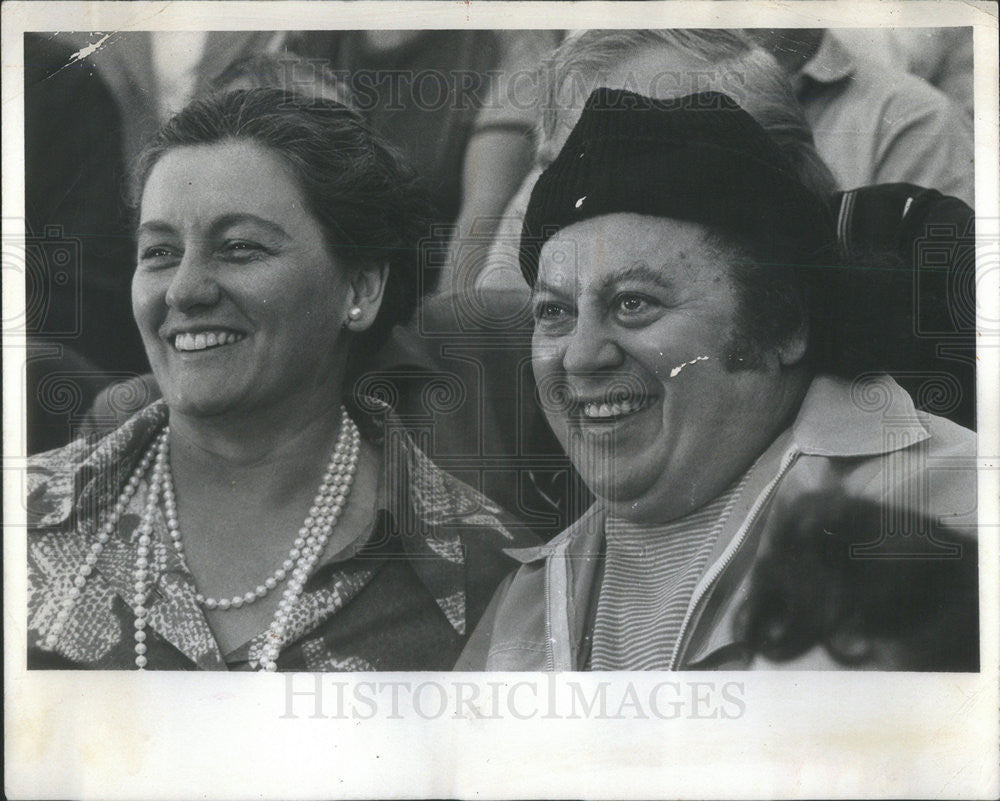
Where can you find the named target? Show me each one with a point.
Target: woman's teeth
(606, 410)
(205, 340)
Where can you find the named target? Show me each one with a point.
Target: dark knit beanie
(699, 158)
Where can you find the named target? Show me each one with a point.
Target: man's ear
(793, 349)
(365, 296)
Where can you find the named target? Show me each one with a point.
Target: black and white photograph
(606, 371)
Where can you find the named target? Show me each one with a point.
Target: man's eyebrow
(638, 272)
(542, 287)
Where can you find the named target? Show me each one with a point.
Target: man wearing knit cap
(765, 495)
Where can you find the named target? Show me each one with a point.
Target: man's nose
(590, 347)
(193, 284)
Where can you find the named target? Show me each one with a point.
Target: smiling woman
(261, 515)
(241, 305)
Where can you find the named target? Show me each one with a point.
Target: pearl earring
(354, 313)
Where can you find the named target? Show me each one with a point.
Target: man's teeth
(599, 410)
(205, 339)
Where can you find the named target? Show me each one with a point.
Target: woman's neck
(240, 507)
(272, 459)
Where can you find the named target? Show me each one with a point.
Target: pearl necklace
(51, 636)
(306, 549)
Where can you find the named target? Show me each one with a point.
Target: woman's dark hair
(833, 578)
(368, 202)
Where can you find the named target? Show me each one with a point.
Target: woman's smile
(204, 340)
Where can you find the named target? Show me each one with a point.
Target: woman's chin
(201, 404)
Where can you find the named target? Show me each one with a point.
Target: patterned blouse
(404, 601)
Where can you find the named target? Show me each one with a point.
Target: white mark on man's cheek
(680, 367)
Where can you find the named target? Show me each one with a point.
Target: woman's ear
(365, 296)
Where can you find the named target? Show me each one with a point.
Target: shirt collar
(430, 509)
(78, 483)
(82, 478)
(830, 64)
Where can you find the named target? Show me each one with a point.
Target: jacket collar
(582, 539)
(870, 416)
(571, 576)
(867, 417)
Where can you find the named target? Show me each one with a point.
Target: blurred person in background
(941, 56)
(78, 254)
(461, 105)
(658, 63)
(873, 122)
(154, 74)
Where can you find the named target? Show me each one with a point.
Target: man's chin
(613, 486)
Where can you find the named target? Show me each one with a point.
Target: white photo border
(730, 735)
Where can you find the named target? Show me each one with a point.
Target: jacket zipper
(721, 565)
(550, 657)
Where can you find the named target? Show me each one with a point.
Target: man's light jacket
(851, 443)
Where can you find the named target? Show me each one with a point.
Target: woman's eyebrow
(154, 227)
(227, 220)
(218, 225)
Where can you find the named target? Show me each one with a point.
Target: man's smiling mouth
(204, 340)
(611, 411)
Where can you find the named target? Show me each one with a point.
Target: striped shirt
(650, 573)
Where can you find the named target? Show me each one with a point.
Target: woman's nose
(590, 347)
(193, 284)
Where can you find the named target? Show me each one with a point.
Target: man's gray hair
(726, 61)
